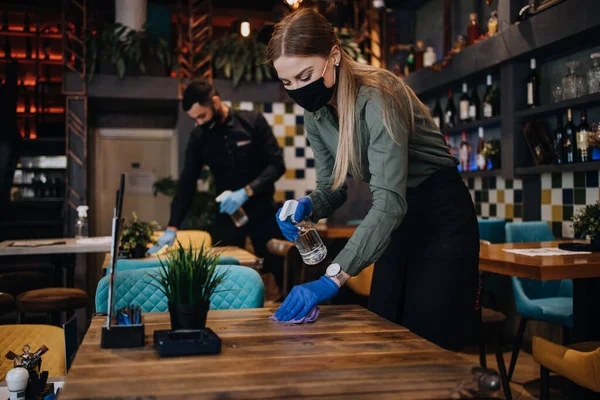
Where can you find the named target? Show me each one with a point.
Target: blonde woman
(421, 231)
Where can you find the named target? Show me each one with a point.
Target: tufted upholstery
(242, 289)
(14, 337)
(153, 262)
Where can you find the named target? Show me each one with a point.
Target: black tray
(578, 247)
(186, 342)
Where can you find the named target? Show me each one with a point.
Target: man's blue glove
(234, 201)
(303, 298)
(289, 230)
(167, 238)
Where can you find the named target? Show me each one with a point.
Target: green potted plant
(136, 236)
(492, 151)
(188, 278)
(586, 224)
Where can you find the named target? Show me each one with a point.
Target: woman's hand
(289, 230)
(303, 298)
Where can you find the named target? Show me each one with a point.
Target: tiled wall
(287, 121)
(496, 197)
(563, 194)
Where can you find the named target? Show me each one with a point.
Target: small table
(245, 258)
(327, 231)
(584, 269)
(348, 353)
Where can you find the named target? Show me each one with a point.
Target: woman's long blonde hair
(306, 33)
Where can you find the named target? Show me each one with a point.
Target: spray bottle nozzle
(288, 211)
(82, 211)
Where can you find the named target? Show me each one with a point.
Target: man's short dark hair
(200, 92)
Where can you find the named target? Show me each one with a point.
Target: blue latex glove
(289, 230)
(234, 201)
(303, 298)
(167, 239)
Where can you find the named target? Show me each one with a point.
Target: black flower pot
(188, 316)
(138, 251)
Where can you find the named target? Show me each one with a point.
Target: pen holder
(121, 336)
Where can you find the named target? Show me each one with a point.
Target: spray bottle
(82, 227)
(309, 243)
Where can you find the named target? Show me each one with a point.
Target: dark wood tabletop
(328, 231)
(493, 258)
(348, 353)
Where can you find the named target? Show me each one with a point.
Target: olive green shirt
(387, 166)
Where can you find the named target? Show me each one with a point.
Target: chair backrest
(14, 337)
(531, 231)
(153, 262)
(535, 231)
(71, 342)
(492, 230)
(243, 288)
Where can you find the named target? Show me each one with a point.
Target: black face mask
(214, 121)
(313, 96)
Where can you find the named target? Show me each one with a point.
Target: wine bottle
(481, 160)
(474, 106)
(449, 143)
(488, 108)
(464, 153)
(28, 49)
(533, 86)
(464, 104)
(27, 23)
(437, 115)
(559, 144)
(570, 139)
(583, 151)
(411, 60)
(450, 116)
(7, 49)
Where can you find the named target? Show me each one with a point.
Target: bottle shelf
(31, 61)
(485, 123)
(33, 169)
(474, 174)
(16, 33)
(575, 167)
(579, 102)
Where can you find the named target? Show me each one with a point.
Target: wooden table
(244, 257)
(348, 353)
(584, 269)
(327, 231)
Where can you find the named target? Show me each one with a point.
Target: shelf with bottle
(583, 101)
(20, 33)
(24, 60)
(484, 159)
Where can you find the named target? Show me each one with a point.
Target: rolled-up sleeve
(388, 167)
(324, 200)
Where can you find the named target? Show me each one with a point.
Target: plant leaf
(121, 68)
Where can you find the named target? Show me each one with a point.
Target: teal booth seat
(153, 262)
(492, 230)
(243, 288)
(550, 301)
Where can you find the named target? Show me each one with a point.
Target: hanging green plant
(128, 50)
(240, 59)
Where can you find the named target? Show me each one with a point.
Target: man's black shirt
(241, 151)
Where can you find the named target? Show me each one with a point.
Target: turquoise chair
(550, 301)
(152, 262)
(243, 288)
(492, 230)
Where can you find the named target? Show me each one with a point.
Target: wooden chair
(53, 301)
(292, 262)
(7, 303)
(492, 325)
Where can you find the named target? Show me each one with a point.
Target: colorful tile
(279, 196)
(567, 180)
(567, 196)
(509, 184)
(500, 211)
(492, 182)
(299, 119)
(546, 181)
(278, 119)
(579, 196)
(289, 141)
(546, 212)
(500, 183)
(500, 196)
(557, 229)
(478, 208)
(509, 196)
(485, 184)
(556, 180)
(485, 196)
(556, 196)
(518, 211)
(592, 195)
(509, 212)
(567, 212)
(267, 107)
(477, 196)
(485, 210)
(280, 141)
(299, 174)
(300, 131)
(471, 183)
(518, 184)
(310, 163)
(591, 179)
(290, 131)
(299, 152)
(289, 108)
(493, 210)
(518, 196)
(493, 196)
(290, 174)
(478, 184)
(546, 196)
(557, 213)
(579, 180)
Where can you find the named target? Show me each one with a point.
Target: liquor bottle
(449, 143)
(488, 108)
(28, 49)
(464, 153)
(464, 104)
(559, 143)
(450, 116)
(583, 151)
(419, 53)
(7, 49)
(481, 160)
(437, 115)
(473, 30)
(570, 139)
(474, 106)
(27, 23)
(411, 60)
(533, 86)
